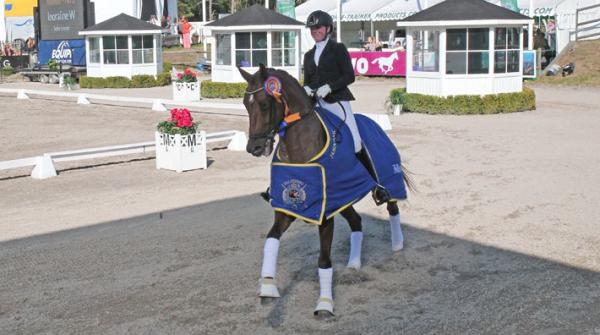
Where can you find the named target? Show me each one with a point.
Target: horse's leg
(325, 303)
(356, 237)
(268, 287)
(397, 236)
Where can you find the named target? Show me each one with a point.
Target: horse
(277, 104)
(386, 64)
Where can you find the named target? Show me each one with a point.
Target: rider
(327, 73)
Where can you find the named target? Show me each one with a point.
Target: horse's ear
(263, 71)
(247, 76)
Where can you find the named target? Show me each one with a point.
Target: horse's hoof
(323, 315)
(267, 300)
(354, 264)
(324, 308)
(398, 246)
(267, 288)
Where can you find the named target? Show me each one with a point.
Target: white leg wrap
(397, 236)
(355, 250)
(269, 265)
(325, 302)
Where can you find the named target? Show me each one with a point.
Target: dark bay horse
(277, 104)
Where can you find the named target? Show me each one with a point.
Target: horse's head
(266, 108)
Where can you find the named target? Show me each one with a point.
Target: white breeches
(348, 117)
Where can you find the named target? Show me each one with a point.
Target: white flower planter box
(186, 91)
(181, 152)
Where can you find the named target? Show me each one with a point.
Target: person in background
(154, 20)
(328, 71)
(372, 44)
(186, 28)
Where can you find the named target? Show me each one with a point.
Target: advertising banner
(63, 51)
(16, 62)
(61, 19)
(379, 63)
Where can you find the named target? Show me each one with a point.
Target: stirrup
(265, 195)
(381, 195)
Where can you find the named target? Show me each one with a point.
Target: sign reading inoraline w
(61, 19)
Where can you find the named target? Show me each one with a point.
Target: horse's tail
(407, 175)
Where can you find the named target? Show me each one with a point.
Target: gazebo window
(116, 49)
(425, 51)
(507, 50)
(250, 48)
(142, 49)
(467, 51)
(223, 49)
(283, 51)
(94, 50)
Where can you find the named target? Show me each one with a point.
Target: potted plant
(396, 100)
(69, 83)
(179, 144)
(186, 87)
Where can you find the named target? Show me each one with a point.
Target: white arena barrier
(44, 164)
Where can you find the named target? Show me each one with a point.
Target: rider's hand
(323, 91)
(309, 91)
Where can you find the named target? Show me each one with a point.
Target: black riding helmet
(319, 18)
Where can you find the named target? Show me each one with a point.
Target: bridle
(274, 128)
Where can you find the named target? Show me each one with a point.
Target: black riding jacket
(335, 68)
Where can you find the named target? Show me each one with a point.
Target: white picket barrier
(44, 164)
(156, 104)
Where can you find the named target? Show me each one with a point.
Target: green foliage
(469, 104)
(212, 89)
(163, 79)
(167, 66)
(170, 127)
(137, 81)
(142, 80)
(53, 65)
(7, 70)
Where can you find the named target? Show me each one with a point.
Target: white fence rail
(44, 164)
(157, 104)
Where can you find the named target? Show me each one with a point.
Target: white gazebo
(252, 36)
(123, 46)
(464, 47)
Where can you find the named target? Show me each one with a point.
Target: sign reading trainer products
(61, 19)
(379, 63)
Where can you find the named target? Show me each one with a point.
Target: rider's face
(318, 33)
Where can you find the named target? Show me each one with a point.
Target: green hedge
(137, 81)
(466, 104)
(212, 89)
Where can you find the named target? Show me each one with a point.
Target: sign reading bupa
(61, 19)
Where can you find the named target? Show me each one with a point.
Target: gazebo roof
(465, 10)
(256, 15)
(122, 23)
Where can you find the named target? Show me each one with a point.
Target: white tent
(359, 10)
(399, 9)
(303, 10)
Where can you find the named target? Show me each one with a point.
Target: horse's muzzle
(259, 147)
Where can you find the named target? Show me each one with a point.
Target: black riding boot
(379, 193)
(265, 195)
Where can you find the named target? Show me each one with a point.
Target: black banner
(61, 19)
(16, 62)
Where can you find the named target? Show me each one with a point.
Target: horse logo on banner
(386, 64)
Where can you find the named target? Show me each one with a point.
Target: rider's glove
(309, 91)
(323, 91)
